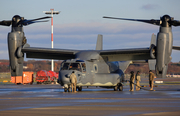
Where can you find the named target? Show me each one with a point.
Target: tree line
(36, 65)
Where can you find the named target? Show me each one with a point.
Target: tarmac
(51, 100)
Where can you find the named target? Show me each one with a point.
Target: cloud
(150, 6)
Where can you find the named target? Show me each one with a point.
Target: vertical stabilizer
(123, 65)
(99, 44)
(153, 39)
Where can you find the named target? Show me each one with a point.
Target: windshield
(65, 66)
(75, 66)
(71, 66)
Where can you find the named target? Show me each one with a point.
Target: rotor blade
(6, 23)
(39, 19)
(34, 22)
(152, 21)
(176, 47)
(26, 22)
(175, 23)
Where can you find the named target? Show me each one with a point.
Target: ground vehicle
(46, 77)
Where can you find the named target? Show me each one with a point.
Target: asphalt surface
(51, 100)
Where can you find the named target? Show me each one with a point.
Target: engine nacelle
(163, 51)
(16, 58)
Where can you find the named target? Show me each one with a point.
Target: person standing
(73, 80)
(151, 79)
(132, 77)
(138, 79)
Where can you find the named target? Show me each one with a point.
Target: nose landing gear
(68, 88)
(118, 87)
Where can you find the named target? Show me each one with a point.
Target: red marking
(51, 36)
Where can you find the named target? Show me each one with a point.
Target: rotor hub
(166, 21)
(16, 21)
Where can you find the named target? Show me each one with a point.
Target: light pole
(52, 12)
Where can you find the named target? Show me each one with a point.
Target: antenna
(51, 13)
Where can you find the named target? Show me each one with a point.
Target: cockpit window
(75, 66)
(83, 67)
(65, 66)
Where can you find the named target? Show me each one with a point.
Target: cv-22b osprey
(104, 68)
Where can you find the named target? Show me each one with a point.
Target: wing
(107, 55)
(126, 54)
(48, 53)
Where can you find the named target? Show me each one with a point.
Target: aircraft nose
(64, 76)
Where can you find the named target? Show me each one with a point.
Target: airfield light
(51, 13)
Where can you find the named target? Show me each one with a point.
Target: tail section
(153, 39)
(99, 44)
(123, 65)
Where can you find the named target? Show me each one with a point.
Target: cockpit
(77, 65)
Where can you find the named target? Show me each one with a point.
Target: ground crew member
(132, 77)
(73, 80)
(138, 79)
(151, 79)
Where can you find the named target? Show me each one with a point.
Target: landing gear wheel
(115, 88)
(79, 88)
(120, 87)
(65, 89)
(69, 89)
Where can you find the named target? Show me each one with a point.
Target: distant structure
(52, 12)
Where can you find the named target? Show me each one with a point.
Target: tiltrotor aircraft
(104, 68)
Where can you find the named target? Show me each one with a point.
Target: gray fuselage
(91, 73)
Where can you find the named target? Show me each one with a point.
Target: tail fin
(153, 39)
(152, 63)
(123, 65)
(99, 44)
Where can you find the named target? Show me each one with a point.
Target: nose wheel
(67, 89)
(118, 87)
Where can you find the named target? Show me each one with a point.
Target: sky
(80, 21)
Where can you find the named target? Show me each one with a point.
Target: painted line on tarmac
(94, 98)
